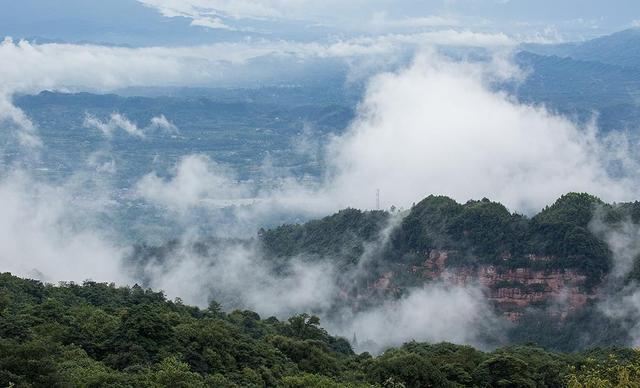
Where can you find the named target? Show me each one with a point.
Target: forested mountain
(549, 277)
(476, 233)
(526, 265)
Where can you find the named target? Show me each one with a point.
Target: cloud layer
(438, 128)
(434, 127)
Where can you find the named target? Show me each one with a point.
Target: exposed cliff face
(511, 290)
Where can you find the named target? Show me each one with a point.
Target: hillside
(525, 265)
(547, 276)
(475, 233)
(95, 335)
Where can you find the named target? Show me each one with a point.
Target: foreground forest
(95, 334)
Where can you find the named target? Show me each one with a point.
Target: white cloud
(351, 17)
(116, 122)
(382, 21)
(435, 313)
(212, 12)
(623, 241)
(31, 67)
(437, 128)
(12, 117)
(237, 275)
(162, 124)
(620, 296)
(47, 232)
(214, 23)
(385, 44)
(196, 181)
(237, 9)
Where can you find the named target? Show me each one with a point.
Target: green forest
(100, 335)
(482, 231)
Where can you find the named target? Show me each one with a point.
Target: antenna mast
(378, 199)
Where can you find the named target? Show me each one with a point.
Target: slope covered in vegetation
(480, 232)
(547, 273)
(94, 335)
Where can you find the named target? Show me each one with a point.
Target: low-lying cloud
(117, 122)
(238, 276)
(438, 128)
(51, 232)
(103, 68)
(435, 313)
(17, 124)
(196, 182)
(620, 296)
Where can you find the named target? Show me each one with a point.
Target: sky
(180, 22)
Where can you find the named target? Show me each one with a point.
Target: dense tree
(97, 335)
(409, 369)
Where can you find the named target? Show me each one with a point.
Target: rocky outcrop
(384, 282)
(513, 290)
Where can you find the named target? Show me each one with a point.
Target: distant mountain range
(599, 78)
(618, 49)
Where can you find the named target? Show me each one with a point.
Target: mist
(619, 295)
(434, 127)
(52, 233)
(437, 127)
(434, 313)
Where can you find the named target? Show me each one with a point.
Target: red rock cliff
(511, 290)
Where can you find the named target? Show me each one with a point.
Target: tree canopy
(95, 335)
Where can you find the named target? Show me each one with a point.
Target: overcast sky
(180, 22)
